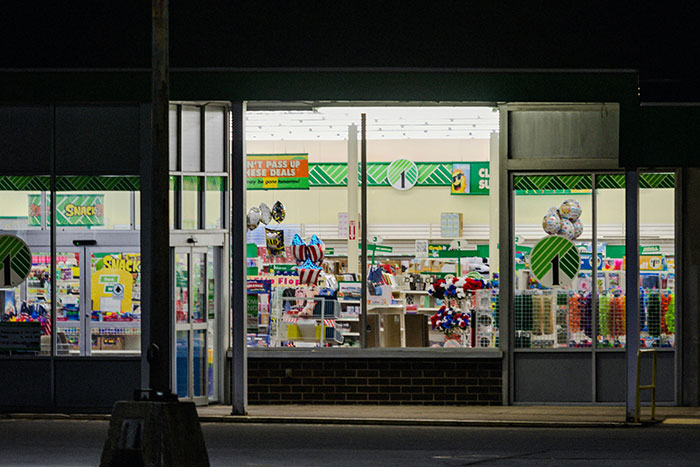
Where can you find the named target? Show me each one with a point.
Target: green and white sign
(402, 174)
(71, 210)
(15, 261)
(555, 261)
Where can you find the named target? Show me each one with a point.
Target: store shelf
(350, 302)
(414, 292)
(385, 307)
(429, 309)
(350, 334)
(114, 324)
(350, 319)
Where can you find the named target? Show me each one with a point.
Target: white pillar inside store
(494, 167)
(353, 208)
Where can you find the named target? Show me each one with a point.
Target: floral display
(449, 321)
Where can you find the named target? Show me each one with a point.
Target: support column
(688, 286)
(156, 297)
(353, 210)
(239, 360)
(631, 288)
(363, 228)
(494, 208)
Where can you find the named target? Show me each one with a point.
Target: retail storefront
(507, 341)
(557, 345)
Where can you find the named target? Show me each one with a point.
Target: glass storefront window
(553, 274)
(657, 260)
(413, 153)
(26, 303)
(214, 198)
(191, 188)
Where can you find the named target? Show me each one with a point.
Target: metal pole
(352, 199)
(631, 286)
(363, 234)
(155, 250)
(239, 360)
(594, 283)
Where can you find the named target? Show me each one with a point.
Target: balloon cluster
(564, 221)
(449, 320)
(455, 287)
(264, 214)
(309, 258)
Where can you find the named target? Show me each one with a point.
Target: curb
(242, 419)
(414, 422)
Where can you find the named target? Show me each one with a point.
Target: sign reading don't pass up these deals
(277, 171)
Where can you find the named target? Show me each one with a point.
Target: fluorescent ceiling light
(331, 123)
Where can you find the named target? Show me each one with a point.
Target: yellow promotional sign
(651, 263)
(112, 290)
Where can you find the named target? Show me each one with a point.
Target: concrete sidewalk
(420, 415)
(541, 416)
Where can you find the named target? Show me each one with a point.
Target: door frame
(189, 242)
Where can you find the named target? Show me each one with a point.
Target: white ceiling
(331, 123)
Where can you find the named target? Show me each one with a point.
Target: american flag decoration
(298, 249)
(309, 272)
(315, 250)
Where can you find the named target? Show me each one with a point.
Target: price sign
(555, 261)
(15, 261)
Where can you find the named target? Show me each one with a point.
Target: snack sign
(277, 171)
(71, 210)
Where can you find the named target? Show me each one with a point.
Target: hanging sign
(71, 210)
(470, 178)
(555, 261)
(15, 261)
(277, 171)
(402, 174)
(112, 290)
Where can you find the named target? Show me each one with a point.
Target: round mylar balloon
(254, 217)
(551, 223)
(278, 211)
(570, 209)
(567, 229)
(265, 214)
(578, 228)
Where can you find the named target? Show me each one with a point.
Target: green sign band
(402, 174)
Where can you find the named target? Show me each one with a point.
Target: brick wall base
(439, 381)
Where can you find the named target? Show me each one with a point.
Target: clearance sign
(277, 171)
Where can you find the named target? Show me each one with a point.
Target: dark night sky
(661, 43)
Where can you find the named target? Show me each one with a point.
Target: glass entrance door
(195, 312)
(113, 291)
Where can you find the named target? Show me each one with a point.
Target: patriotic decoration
(449, 321)
(315, 250)
(456, 287)
(309, 272)
(298, 249)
